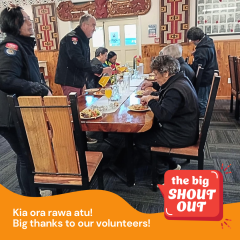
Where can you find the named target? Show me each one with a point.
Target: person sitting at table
(97, 68)
(175, 111)
(111, 61)
(175, 50)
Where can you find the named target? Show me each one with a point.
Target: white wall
(152, 17)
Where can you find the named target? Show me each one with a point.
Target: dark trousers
(21, 168)
(152, 138)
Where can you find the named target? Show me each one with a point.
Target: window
(114, 36)
(130, 35)
(98, 38)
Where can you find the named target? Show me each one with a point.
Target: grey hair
(85, 18)
(165, 63)
(174, 50)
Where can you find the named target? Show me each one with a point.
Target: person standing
(205, 55)
(74, 58)
(20, 75)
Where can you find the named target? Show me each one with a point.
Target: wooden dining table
(121, 121)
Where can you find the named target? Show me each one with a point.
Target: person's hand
(146, 84)
(193, 52)
(49, 93)
(144, 100)
(98, 75)
(107, 70)
(147, 92)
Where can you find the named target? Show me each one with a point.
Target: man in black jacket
(74, 58)
(205, 55)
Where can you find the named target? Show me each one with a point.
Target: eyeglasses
(27, 19)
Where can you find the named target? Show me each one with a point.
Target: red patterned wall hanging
(45, 25)
(174, 19)
(67, 11)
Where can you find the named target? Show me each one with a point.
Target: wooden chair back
(237, 75)
(233, 72)
(199, 74)
(209, 111)
(55, 149)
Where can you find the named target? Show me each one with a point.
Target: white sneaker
(45, 193)
(178, 167)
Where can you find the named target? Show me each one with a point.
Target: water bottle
(126, 80)
(115, 93)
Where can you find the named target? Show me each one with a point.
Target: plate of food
(99, 93)
(140, 92)
(150, 78)
(91, 90)
(138, 108)
(90, 113)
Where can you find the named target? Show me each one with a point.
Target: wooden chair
(199, 74)
(192, 152)
(57, 157)
(234, 85)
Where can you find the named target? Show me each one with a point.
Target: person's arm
(75, 53)
(10, 76)
(200, 57)
(171, 102)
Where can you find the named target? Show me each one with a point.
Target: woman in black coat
(20, 75)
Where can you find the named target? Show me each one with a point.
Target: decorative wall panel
(174, 17)
(22, 3)
(67, 11)
(45, 25)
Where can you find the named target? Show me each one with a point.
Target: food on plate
(139, 92)
(116, 104)
(101, 93)
(137, 107)
(89, 113)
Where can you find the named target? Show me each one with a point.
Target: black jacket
(176, 113)
(205, 54)
(73, 60)
(97, 68)
(187, 69)
(19, 73)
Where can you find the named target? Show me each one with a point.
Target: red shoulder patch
(12, 46)
(74, 39)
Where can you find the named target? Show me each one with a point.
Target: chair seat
(189, 151)
(93, 160)
(161, 149)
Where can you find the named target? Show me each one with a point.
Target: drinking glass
(108, 94)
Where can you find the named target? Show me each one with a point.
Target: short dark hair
(111, 54)
(195, 33)
(11, 20)
(100, 50)
(165, 63)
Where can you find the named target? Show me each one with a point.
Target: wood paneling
(223, 49)
(52, 58)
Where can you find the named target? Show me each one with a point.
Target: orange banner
(96, 214)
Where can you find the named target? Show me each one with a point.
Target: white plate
(144, 110)
(91, 117)
(91, 90)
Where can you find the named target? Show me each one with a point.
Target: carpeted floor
(223, 146)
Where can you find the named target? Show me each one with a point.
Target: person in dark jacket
(175, 109)
(175, 50)
(97, 68)
(20, 75)
(205, 55)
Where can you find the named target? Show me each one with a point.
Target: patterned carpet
(222, 147)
